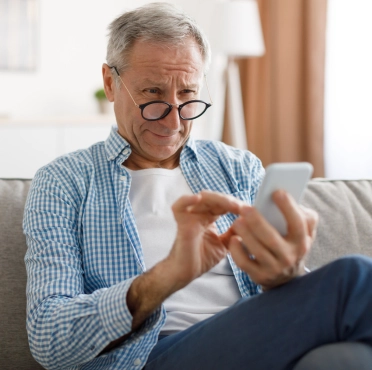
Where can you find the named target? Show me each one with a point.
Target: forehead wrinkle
(182, 84)
(158, 67)
(162, 64)
(145, 55)
(158, 79)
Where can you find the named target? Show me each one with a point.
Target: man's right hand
(197, 249)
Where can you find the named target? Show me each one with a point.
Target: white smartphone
(291, 177)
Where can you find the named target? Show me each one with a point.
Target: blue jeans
(338, 356)
(274, 330)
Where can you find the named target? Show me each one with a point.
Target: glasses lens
(193, 109)
(154, 111)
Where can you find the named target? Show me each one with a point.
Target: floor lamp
(236, 32)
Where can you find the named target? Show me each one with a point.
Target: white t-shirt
(152, 193)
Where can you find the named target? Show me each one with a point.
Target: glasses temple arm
(206, 84)
(117, 72)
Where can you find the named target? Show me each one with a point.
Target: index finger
(216, 203)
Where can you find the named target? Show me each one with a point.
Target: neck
(136, 164)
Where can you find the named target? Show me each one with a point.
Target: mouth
(162, 136)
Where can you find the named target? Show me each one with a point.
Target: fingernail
(280, 194)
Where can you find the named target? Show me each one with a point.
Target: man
(143, 250)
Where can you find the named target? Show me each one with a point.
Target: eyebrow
(147, 81)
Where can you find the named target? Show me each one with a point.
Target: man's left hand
(258, 249)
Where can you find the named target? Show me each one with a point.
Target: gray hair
(155, 22)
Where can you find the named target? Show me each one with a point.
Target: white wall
(71, 52)
(348, 97)
(72, 49)
(46, 113)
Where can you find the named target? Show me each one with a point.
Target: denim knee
(354, 265)
(337, 356)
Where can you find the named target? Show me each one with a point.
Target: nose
(172, 119)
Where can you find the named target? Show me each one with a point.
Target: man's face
(157, 72)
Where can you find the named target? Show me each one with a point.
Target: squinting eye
(152, 91)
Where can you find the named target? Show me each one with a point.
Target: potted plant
(103, 103)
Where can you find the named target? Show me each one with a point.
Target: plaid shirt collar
(117, 147)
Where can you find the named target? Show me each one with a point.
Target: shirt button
(125, 151)
(123, 178)
(137, 362)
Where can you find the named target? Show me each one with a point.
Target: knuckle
(254, 216)
(262, 279)
(315, 216)
(269, 281)
(276, 271)
(239, 225)
(311, 216)
(273, 241)
(289, 271)
(304, 246)
(288, 262)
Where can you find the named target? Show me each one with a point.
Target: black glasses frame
(170, 106)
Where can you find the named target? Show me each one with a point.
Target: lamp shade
(236, 29)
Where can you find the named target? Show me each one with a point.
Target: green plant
(100, 94)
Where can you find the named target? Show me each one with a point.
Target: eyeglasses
(158, 109)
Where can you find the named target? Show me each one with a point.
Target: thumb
(226, 237)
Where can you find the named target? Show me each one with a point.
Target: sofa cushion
(344, 207)
(345, 218)
(15, 353)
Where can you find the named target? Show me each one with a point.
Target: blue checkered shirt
(84, 250)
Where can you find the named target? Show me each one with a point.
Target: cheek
(119, 106)
(188, 127)
(128, 119)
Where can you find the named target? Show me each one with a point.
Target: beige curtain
(283, 92)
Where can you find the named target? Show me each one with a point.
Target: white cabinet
(27, 145)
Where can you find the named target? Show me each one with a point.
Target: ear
(108, 82)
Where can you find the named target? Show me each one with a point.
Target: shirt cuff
(116, 317)
(114, 312)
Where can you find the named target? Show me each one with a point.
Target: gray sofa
(345, 209)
